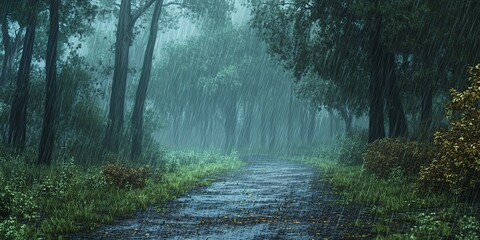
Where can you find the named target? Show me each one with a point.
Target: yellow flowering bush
(456, 168)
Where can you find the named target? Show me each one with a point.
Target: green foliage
(351, 148)
(457, 165)
(123, 176)
(469, 228)
(429, 226)
(385, 155)
(48, 203)
(400, 212)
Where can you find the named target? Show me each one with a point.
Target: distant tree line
(393, 59)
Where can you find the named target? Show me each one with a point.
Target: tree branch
(141, 10)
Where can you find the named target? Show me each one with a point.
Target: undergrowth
(66, 198)
(397, 209)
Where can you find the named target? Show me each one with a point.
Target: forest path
(267, 199)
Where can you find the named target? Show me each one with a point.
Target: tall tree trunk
(18, 112)
(303, 125)
(6, 45)
(47, 138)
(311, 125)
(426, 113)
(137, 117)
(347, 118)
(244, 138)
(114, 128)
(396, 114)
(376, 129)
(230, 111)
(124, 36)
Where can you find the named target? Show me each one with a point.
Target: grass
(398, 209)
(54, 202)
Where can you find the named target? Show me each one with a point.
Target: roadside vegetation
(414, 190)
(66, 198)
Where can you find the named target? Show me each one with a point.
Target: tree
(45, 148)
(137, 116)
(317, 37)
(124, 36)
(18, 113)
(10, 46)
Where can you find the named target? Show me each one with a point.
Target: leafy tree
(124, 37)
(317, 37)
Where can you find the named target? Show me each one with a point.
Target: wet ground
(268, 199)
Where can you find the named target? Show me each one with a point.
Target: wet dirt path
(268, 199)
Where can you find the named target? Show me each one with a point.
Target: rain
(239, 119)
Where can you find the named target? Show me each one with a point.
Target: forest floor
(267, 199)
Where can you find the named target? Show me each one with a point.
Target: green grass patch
(398, 209)
(54, 202)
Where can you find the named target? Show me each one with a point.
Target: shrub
(122, 176)
(429, 226)
(469, 228)
(457, 166)
(388, 154)
(351, 148)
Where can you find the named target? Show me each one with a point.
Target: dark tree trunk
(347, 118)
(396, 114)
(10, 47)
(303, 125)
(376, 129)
(115, 122)
(18, 112)
(47, 138)
(311, 126)
(244, 138)
(426, 113)
(137, 117)
(230, 111)
(124, 36)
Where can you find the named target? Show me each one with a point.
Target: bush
(388, 154)
(351, 148)
(122, 176)
(457, 166)
(469, 228)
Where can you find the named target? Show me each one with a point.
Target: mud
(268, 199)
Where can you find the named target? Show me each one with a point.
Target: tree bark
(18, 112)
(426, 103)
(376, 129)
(138, 110)
(347, 118)
(47, 138)
(311, 126)
(396, 114)
(10, 49)
(230, 111)
(124, 36)
(114, 128)
(244, 138)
